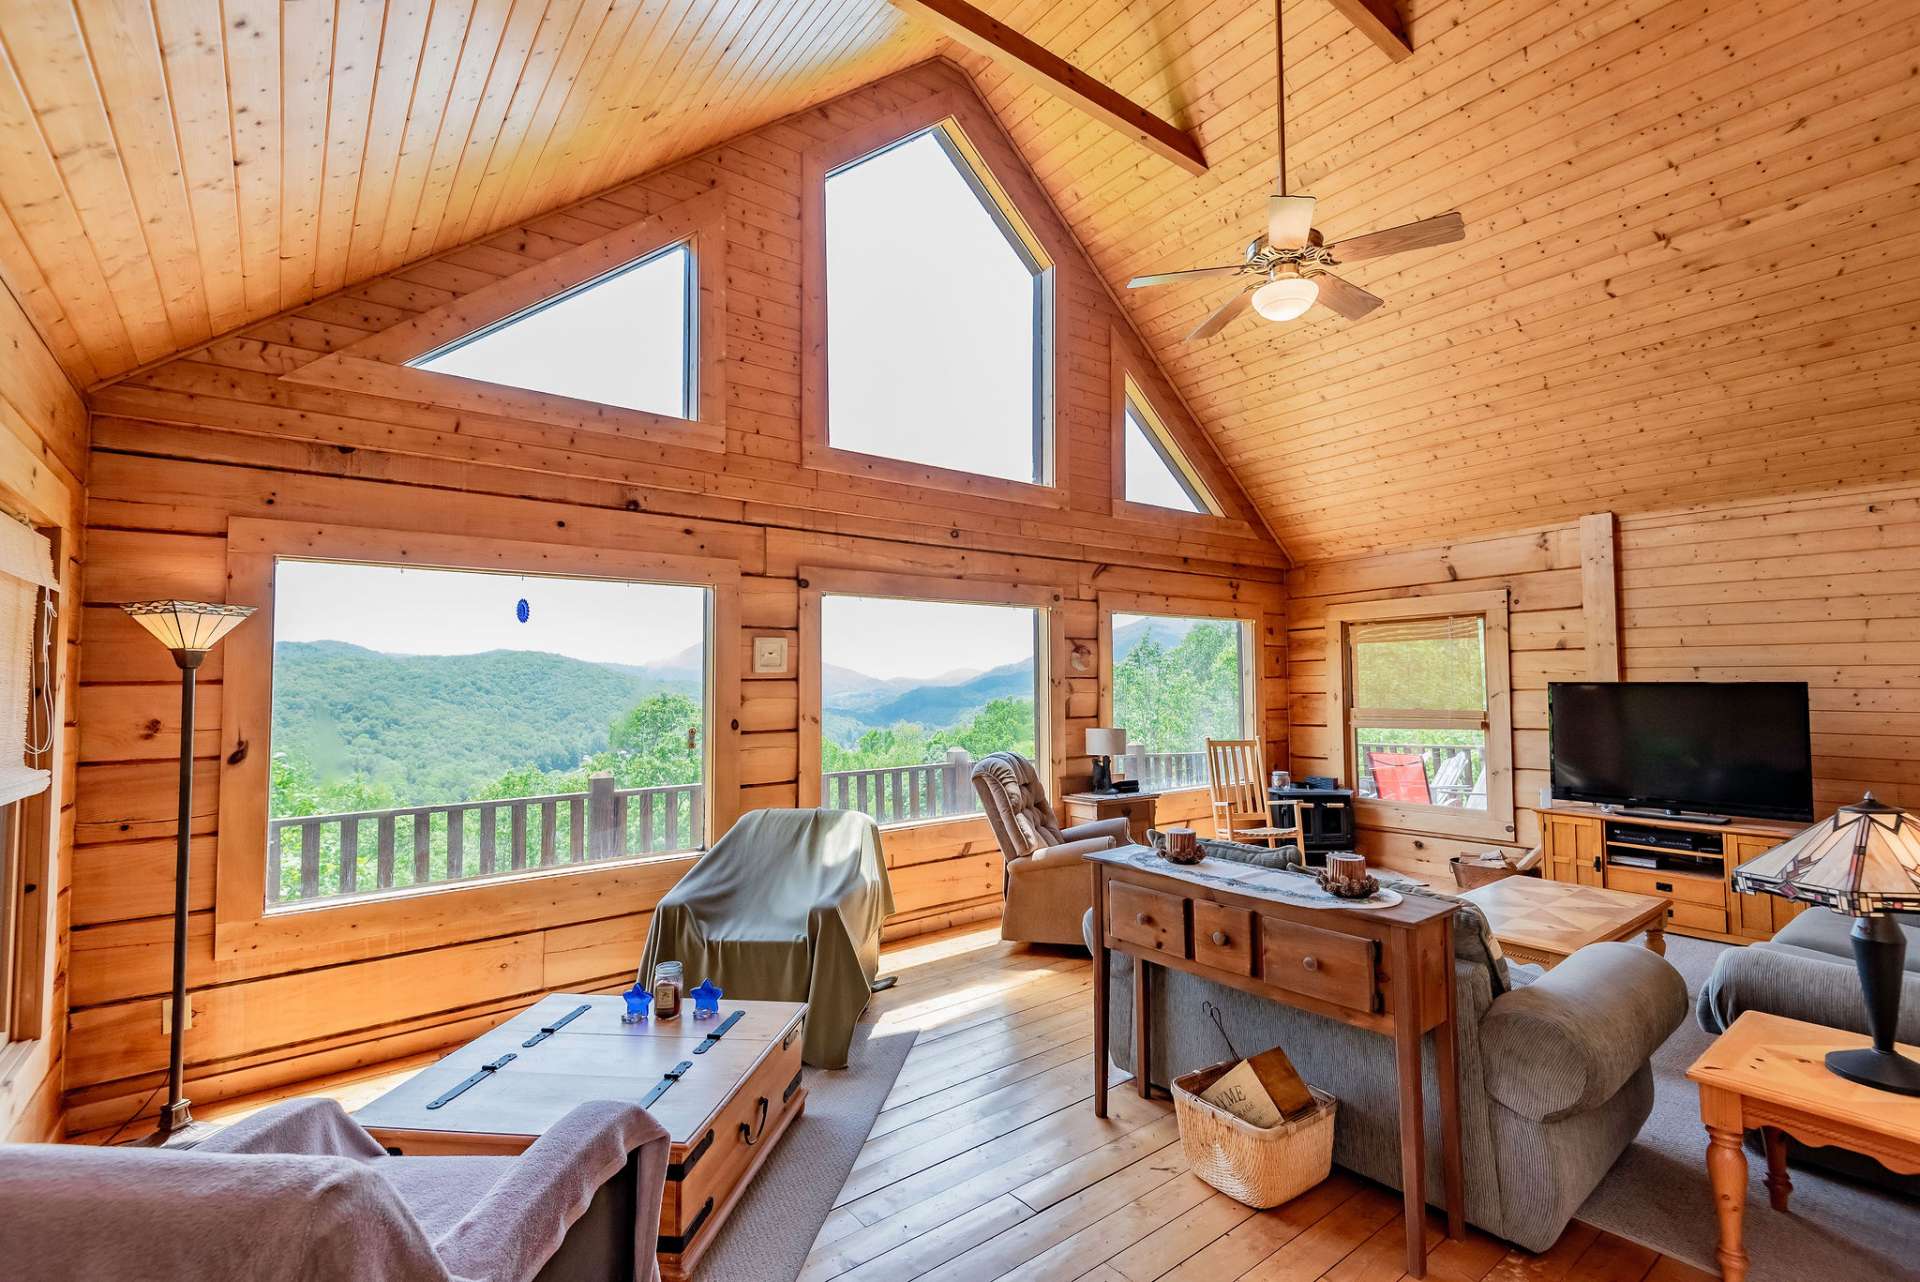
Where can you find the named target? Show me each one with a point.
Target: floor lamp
(189, 629)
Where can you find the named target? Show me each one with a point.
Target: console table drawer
(1319, 963)
(1148, 919)
(1223, 937)
(1678, 887)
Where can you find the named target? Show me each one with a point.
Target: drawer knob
(1141, 919)
(1219, 938)
(1310, 962)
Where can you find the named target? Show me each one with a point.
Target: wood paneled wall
(181, 448)
(1542, 572)
(1822, 589)
(43, 460)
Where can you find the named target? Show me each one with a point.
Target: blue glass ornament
(706, 1000)
(522, 610)
(638, 1000)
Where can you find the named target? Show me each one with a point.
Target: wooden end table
(1547, 921)
(1135, 807)
(1769, 1073)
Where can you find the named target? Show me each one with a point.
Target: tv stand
(1687, 816)
(1686, 859)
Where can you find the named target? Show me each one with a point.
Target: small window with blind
(1422, 704)
(26, 721)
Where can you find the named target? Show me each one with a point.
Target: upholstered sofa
(1806, 972)
(301, 1191)
(1047, 884)
(1555, 1078)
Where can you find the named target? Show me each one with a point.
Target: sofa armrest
(307, 1127)
(1797, 983)
(1567, 1042)
(520, 1222)
(1115, 828)
(1067, 852)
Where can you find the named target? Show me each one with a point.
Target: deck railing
(1161, 771)
(902, 794)
(1453, 770)
(365, 852)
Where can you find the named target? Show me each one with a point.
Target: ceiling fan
(1285, 270)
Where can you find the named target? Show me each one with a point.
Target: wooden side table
(1135, 807)
(1768, 1073)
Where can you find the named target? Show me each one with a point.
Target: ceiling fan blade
(1223, 316)
(1174, 278)
(1443, 230)
(1344, 298)
(1289, 219)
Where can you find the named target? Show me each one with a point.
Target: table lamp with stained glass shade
(189, 629)
(1863, 862)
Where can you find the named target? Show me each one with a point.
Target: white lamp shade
(1105, 742)
(1863, 861)
(187, 625)
(1285, 297)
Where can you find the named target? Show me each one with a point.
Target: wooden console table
(1389, 970)
(1769, 1073)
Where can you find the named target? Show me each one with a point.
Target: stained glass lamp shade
(190, 626)
(1864, 862)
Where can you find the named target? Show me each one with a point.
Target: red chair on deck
(1400, 776)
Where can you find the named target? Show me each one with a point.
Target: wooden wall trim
(1599, 595)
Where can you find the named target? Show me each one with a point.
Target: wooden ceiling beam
(985, 34)
(1381, 23)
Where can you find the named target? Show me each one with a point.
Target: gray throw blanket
(300, 1192)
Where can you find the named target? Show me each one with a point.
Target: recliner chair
(1047, 884)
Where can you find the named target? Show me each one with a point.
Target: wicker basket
(1259, 1166)
(1468, 873)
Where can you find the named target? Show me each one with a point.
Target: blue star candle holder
(638, 999)
(706, 1000)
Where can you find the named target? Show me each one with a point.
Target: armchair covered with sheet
(786, 907)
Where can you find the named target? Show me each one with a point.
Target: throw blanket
(296, 1192)
(786, 907)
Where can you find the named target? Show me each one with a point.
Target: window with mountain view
(624, 338)
(1155, 473)
(936, 316)
(1178, 682)
(435, 726)
(912, 693)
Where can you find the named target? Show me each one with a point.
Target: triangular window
(1157, 474)
(623, 338)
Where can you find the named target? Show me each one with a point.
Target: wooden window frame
(377, 365)
(1247, 614)
(1050, 676)
(1496, 822)
(529, 900)
(1129, 395)
(979, 143)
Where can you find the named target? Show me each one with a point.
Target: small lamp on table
(1103, 745)
(1863, 862)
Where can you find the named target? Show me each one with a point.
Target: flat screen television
(1712, 747)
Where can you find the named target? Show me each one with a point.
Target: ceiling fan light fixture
(1286, 297)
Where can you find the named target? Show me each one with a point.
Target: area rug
(767, 1237)
(1657, 1194)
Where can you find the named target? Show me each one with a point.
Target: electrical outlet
(166, 1016)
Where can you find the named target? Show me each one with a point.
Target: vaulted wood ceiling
(1690, 269)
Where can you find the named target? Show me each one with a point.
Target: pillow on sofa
(1242, 853)
(1472, 937)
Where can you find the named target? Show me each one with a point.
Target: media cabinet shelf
(1575, 843)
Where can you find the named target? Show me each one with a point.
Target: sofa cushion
(1472, 934)
(1820, 930)
(1241, 853)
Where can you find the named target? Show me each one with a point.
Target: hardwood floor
(987, 1162)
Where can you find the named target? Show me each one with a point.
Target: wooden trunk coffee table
(1769, 1073)
(728, 1106)
(1546, 921)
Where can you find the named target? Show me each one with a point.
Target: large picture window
(437, 726)
(937, 315)
(912, 693)
(624, 338)
(1178, 682)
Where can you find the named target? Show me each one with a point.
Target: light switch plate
(769, 654)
